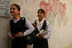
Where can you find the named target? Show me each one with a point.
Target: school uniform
(42, 42)
(20, 25)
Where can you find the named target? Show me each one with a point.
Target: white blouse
(39, 26)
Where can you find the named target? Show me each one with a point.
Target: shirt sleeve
(9, 33)
(47, 35)
(30, 28)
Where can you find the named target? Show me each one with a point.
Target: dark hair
(17, 6)
(41, 11)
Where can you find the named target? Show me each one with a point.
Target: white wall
(61, 34)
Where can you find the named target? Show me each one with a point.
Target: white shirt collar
(41, 21)
(16, 20)
(39, 24)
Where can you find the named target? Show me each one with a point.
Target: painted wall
(61, 25)
(4, 23)
(61, 29)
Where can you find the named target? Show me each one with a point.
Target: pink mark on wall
(45, 6)
(54, 6)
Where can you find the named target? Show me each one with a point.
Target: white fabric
(39, 26)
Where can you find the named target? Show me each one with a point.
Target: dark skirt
(40, 43)
(19, 42)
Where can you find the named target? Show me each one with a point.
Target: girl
(43, 30)
(19, 28)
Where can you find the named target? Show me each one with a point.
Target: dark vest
(43, 27)
(20, 26)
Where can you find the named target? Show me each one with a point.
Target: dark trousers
(19, 42)
(40, 43)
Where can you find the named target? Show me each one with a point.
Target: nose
(39, 14)
(11, 9)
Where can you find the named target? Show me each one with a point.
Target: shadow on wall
(4, 27)
(69, 46)
(9, 43)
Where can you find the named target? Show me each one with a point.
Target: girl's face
(40, 15)
(14, 11)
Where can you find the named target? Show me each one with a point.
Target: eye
(12, 8)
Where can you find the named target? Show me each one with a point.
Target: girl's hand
(19, 34)
(41, 36)
(10, 36)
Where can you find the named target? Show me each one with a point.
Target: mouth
(12, 12)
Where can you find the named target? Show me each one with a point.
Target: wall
(61, 29)
(4, 23)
